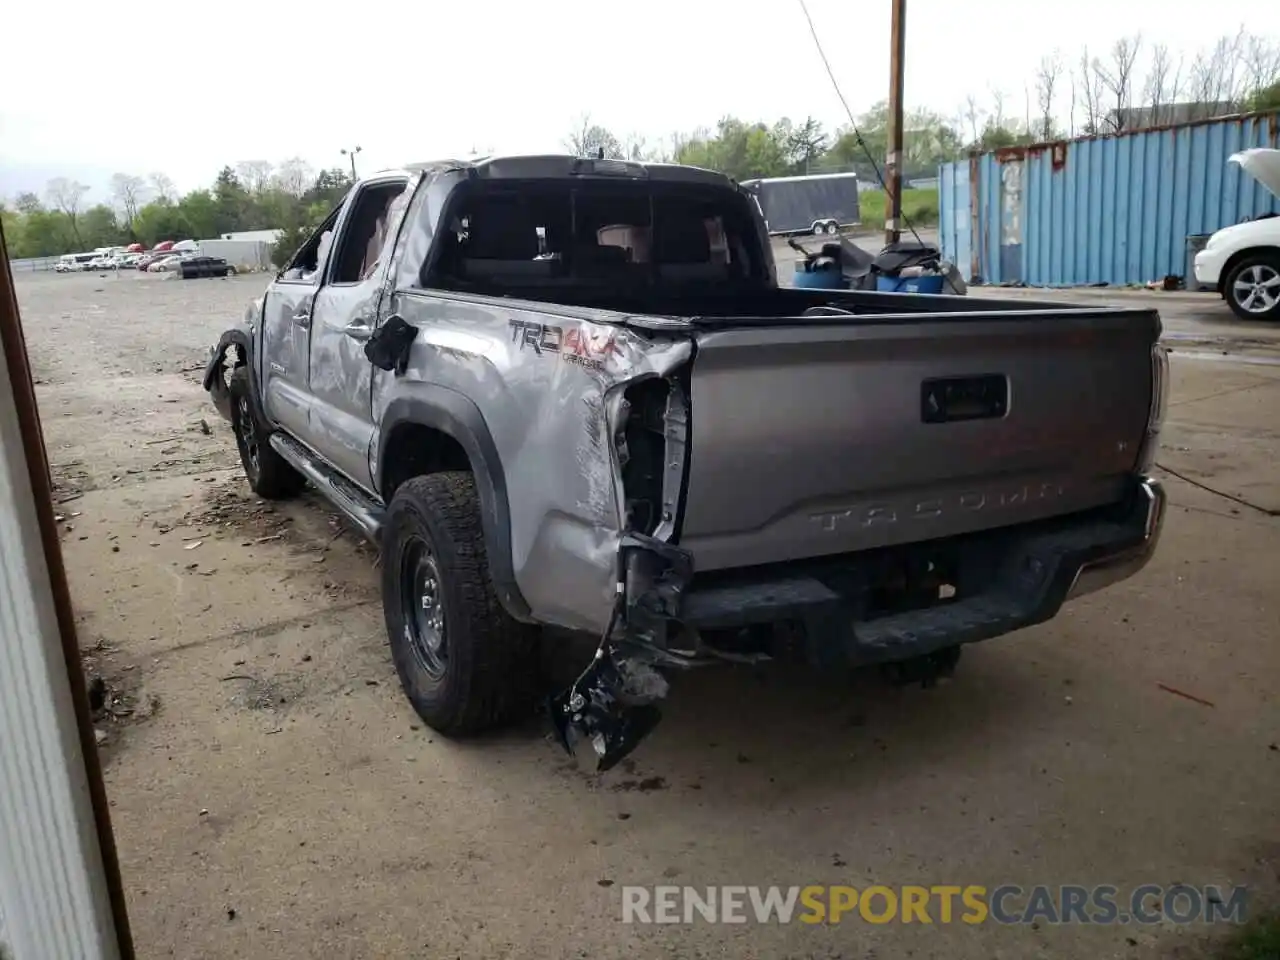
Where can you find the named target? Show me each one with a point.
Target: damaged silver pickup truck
(570, 393)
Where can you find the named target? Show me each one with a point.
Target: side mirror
(388, 348)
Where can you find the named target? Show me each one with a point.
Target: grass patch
(920, 207)
(1259, 939)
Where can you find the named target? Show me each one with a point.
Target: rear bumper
(1005, 580)
(1102, 572)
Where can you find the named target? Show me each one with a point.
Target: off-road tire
(270, 475)
(1269, 265)
(488, 675)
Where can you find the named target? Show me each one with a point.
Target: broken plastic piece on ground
(610, 706)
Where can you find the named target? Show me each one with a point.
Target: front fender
(241, 337)
(439, 408)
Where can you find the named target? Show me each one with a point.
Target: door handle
(358, 330)
(302, 318)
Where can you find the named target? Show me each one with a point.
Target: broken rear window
(586, 233)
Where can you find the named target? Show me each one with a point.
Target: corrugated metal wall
(1110, 210)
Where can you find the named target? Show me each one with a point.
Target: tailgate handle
(951, 399)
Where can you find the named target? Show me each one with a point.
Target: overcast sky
(186, 88)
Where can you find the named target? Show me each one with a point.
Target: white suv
(1242, 262)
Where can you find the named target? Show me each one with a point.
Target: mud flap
(611, 705)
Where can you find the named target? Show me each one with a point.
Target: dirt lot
(274, 795)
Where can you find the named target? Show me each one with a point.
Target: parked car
(1242, 262)
(658, 449)
(166, 263)
(147, 259)
(201, 266)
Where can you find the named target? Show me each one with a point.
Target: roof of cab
(556, 166)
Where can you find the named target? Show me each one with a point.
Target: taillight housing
(1159, 401)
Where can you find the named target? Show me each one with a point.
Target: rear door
(815, 440)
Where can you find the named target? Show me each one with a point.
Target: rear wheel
(819, 229)
(833, 228)
(1253, 287)
(465, 664)
(270, 475)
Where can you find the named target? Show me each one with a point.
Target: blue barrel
(824, 278)
(929, 284)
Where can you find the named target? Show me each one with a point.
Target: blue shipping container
(1111, 209)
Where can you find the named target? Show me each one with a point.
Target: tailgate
(815, 440)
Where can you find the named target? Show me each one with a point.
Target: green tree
(232, 200)
(11, 223)
(199, 212)
(65, 196)
(160, 220)
(99, 228)
(46, 234)
(1268, 98)
(927, 140)
(329, 188)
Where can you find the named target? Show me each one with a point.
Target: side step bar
(355, 504)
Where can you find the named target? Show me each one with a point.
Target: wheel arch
(1235, 259)
(434, 413)
(215, 381)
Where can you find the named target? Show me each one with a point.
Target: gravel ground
(274, 795)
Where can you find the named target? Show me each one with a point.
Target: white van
(73, 262)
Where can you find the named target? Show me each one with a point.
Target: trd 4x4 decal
(578, 344)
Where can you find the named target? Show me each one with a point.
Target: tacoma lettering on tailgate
(970, 501)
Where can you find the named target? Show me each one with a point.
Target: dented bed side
(555, 395)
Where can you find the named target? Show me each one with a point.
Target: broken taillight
(1159, 401)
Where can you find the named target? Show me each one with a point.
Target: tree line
(250, 195)
(1131, 84)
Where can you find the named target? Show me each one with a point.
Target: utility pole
(352, 154)
(893, 162)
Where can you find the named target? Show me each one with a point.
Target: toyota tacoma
(568, 397)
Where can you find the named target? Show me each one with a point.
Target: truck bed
(900, 418)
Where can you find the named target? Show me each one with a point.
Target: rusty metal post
(893, 162)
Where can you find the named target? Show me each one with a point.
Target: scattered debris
(192, 546)
(236, 676)
(646, 785)
(99, 736)
(1182, 693)
(205, 428)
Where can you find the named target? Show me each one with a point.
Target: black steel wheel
(465, 664)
